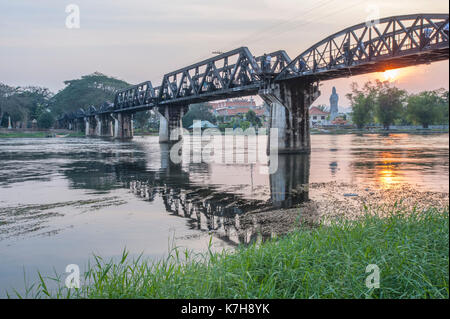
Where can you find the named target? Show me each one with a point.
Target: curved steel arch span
(392, 42)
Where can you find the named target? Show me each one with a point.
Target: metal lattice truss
(372, 47)
(234, 73)
(367, 47)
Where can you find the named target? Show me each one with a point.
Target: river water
(63, 199)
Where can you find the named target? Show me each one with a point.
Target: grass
(23, 134)
(411, 250)
(40, 134)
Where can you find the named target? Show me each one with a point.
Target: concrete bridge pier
(124, 126)
(98, 126)
(86, 126)
(110, 127)
(170, 123)
(105, 123)
(289, 114)
(91, 126)
(115, 125)
(79, 125)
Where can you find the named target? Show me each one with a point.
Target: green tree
(363, 104)
(220, 119)
(35, 99)
(245, 125)
(45, 120)
(443, 106)
(141, 119)
(22, 103)
(6, 92)
(92, 89)
(200, 112)
(389, 103)
(253, 118)
(423, 108)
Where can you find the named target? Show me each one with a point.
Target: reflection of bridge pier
(289, 185)
(205, 207)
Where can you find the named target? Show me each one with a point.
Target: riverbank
(335, 201)
(349, 169)
(42, 134)
(410, 248)
(411, 252)
(339, 131)
(38, 134)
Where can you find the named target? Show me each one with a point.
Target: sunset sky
(142, 40)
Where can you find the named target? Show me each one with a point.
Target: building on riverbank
(317, 117)
(233, 108)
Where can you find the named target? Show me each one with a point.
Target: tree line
(20, 106)
(373, 103)
(383, 103)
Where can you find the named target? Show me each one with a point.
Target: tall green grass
(411, 250)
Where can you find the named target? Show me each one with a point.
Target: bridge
(288, 85)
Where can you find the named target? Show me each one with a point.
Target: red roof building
(237, 107)
(316, 111)
(239, 111)
(233, 103)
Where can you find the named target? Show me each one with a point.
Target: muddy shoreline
(333, 200)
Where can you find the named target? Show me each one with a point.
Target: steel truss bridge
(392, 42)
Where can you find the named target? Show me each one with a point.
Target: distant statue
(334, 98)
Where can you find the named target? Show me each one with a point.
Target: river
(63, 199)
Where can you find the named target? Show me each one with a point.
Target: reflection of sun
(386, 174)
(387, 177)
(390, 75)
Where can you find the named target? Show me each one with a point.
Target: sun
(390, 75)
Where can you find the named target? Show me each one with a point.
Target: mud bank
(339, 200)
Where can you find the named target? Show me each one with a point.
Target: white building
(317, 117)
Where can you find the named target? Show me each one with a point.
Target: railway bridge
(288, 85)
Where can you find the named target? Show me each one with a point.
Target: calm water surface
(63, 199)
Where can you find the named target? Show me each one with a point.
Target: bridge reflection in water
(218, 209)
